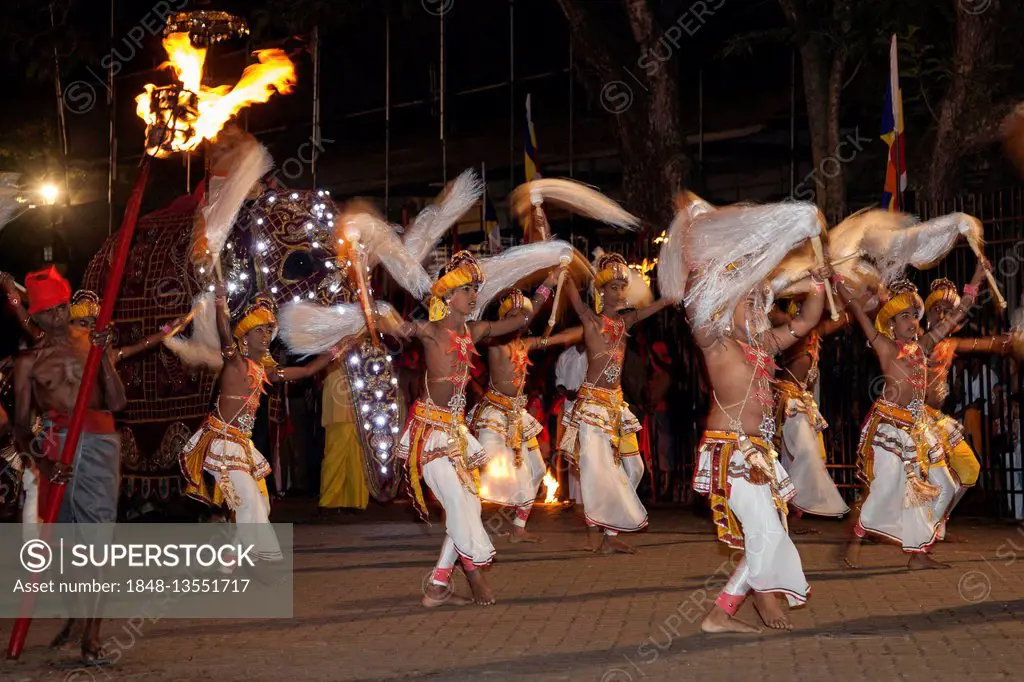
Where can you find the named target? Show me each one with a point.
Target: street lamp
(49, 193)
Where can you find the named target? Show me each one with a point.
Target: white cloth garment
(770, 562)
(803, 459)
(570, 372)
(609, 491)
(30, 507)
(462, 522)
(252, 509)
(501, 482)
(883, 511)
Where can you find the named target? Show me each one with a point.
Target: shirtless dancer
(500, 421)
(799, 439)
(942, 303)
(600, 439)
(48, 376)
(739, 469)
(437, 444)
(222, 448)
(900, 457)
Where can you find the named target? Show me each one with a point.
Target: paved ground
(568, 615)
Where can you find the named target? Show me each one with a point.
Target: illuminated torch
(179, 117)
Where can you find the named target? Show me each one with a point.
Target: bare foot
(71, 631)
(922, 560)
(613, 545)
(594, 536)
(441, 595)
(954, 538)
(482, 592)
(852, 557)
(718, 621)
(522, 535)
(767, 606)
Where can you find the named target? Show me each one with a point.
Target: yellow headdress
(610, 267)
(85, 303)
(261, 312)
(903, 296)
(461, 270)
(942, 290)
(514, 301)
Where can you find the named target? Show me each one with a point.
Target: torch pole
(51, 505)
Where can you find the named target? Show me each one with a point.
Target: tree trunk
(645, 113)
(962, 125)
(823, 82)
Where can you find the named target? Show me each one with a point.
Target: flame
(213, 107)
(644, 268)
(551, 486)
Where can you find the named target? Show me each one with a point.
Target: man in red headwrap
(48, 377)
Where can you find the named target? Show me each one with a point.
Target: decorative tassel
(598, 303)
(438, 309)
(919, 492)
(227, 488)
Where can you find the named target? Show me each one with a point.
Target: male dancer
(500, 421)
(48, 376)
(941, 304)
(900, 456)
(601, 440)
(437, 444)
(739, 469)
(800, 441)
(223, 447)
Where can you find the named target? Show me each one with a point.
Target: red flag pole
(51, 505)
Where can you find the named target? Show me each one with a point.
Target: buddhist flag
(532, 172)
(491, 227)
(892, 133)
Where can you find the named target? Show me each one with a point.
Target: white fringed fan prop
(873, 247)
(512, 266)
(309, 329)
(527, 203)
(672, 264)
(573, 196)
(12, 201)
(245, 164)
(434, 221)
(733, 249)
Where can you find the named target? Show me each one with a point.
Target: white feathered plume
(10, 207)
(571, 195)
(247, 163)
(506, 269)
(202, 349)
(435, 220)
(735, 249)
(672, 267)
(381, 243)
(310, 329)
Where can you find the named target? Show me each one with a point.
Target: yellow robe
(342, 475)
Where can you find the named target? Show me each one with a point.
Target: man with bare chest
(942, 302)
(738, 467)
(48, 377)
(501, 422)
(437, 444)
(900, 457)
(600, 440)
